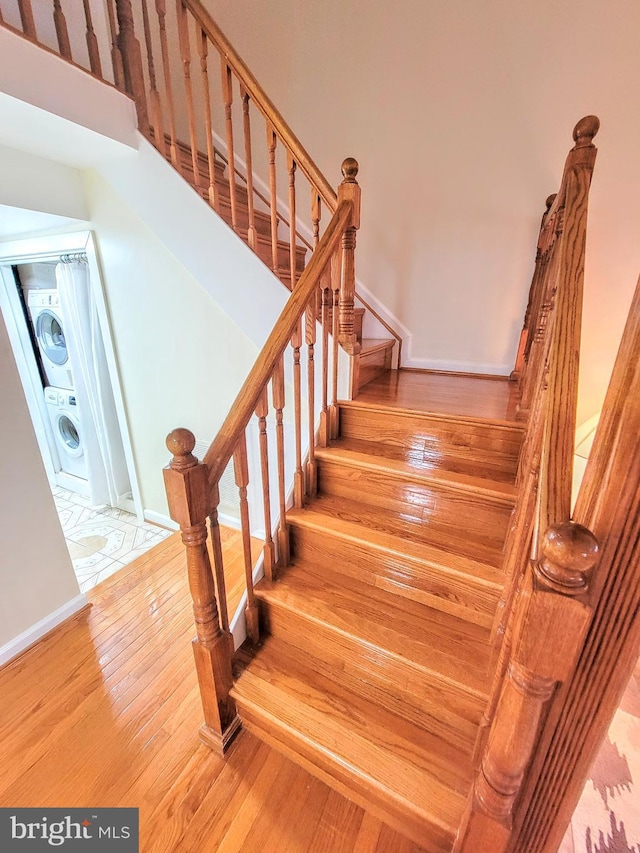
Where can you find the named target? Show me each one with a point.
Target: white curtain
(108, 477)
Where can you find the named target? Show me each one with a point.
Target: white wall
(460, 114)
(36, 575)
(182, 360)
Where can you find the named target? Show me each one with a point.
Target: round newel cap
(550, 200)
(569, 553)
(585, 130)
(350, 170)
(180, 443)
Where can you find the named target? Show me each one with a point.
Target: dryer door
(68, 434)
(50, 336)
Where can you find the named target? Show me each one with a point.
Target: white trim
(160, 519)
(40, 629)
(457, 366)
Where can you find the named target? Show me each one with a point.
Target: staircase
(374, 671)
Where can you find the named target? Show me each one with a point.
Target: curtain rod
(73, 257)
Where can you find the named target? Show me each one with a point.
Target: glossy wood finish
(608, 503)
(444, 393)
(103, 711)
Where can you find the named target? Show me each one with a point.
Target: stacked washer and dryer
(47, 318)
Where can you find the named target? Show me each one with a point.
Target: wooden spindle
(218, 566)
(316, 210)
(189, 504)
(553, 605)
(161, 11)
(335, 310)
(272, 140)
(156, 112)
(203, 46)
(185, 53)
(278, 404)
(92, 41)
(132, 63)
(227, 94)
(326, 296)
(241, 471)
(262, 411)
(27, 19)
(349, 189)
(298, 477)
(291, 171)
(116, 56)
(62, 33)
(311, 318)
(248, 156)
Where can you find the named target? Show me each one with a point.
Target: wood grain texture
(104, 712)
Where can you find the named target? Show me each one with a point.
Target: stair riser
(425, 437)
(420, 503)
(431, 838)
(449, 593)
(446, 710)
(372, 365)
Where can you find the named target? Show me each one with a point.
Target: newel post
(189, 496)
(349, 190)
(132, 62)
(551, 621)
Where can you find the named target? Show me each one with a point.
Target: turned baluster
(291, 171)
(326, 295)
(156, 112)
(241, 471)
(248, 156)
(552, 618)
(350, 190)
(278, 404)
(190, 504)
(272, 140)
(227, 94)
(116, 56)
(185, 53)
(298, 477)
(161, 11)
(27, 19)
(335, 311)
(62, 33)
(132, 62)
(311, 318)
(262, 410)
(203, 48)
(218, 565)
(92, 41)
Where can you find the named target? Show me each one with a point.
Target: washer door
(68, 434)
(50, 336)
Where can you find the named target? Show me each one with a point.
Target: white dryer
(67, 429)
(48, 326)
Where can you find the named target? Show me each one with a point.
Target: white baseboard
(160, 519)
(457, 366)
(40, 629)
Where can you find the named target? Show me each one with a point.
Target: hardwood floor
(445, 393)
(105, 711)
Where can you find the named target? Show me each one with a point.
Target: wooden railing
(193, 487)
(549, 559)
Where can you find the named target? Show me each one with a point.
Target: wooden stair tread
(414, 530)
(440, 468)
(371, 345)
(455, 650)
(469, 569)
(362, 745)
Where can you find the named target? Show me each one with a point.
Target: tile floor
(102, 539)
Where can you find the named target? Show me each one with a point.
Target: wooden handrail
(222, 447)
(263, 102)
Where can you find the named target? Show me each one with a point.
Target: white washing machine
(48, 325)
(67, 429)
